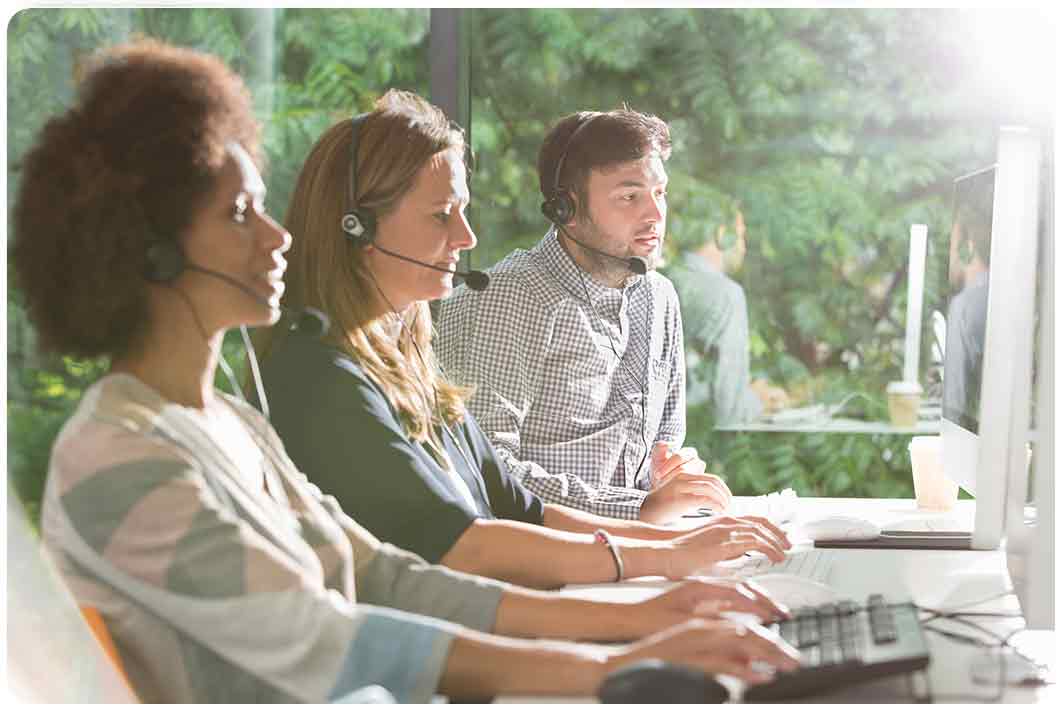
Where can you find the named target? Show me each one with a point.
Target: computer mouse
(656, 681)
(840, 528)
(794, 591)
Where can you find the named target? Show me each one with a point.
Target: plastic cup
(904, 401)
(933, 489)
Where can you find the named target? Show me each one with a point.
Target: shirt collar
(557, 260)
(695, 261)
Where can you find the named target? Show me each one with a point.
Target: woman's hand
(708, 597)
(736, 648)
(724, 538)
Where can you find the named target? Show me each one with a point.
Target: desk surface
(929, 578)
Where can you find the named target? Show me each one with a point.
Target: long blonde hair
(328, 272)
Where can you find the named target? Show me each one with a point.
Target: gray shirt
(574, 381)
(715, 320)
(963, 364)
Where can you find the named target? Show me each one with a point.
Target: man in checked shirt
(575, 349)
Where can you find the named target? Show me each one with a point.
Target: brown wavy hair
(128, 162)
(328, 272)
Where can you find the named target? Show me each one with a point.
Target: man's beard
(603, 268)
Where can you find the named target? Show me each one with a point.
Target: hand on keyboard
(724, 538)
(807, 562)
(703, 597)
(715, 646)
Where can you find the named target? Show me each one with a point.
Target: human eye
(443, 214)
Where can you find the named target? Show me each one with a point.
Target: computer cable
(999, 643)
(622, 364)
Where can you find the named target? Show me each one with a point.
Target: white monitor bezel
(1005, 391)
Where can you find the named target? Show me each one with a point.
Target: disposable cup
(933, 489)
(904, 401)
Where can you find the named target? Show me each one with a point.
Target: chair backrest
(103, 636)
(52, 655)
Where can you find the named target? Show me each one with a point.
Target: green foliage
(306, 69)
(835, 129)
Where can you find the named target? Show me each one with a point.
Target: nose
(462, 237)
(657, 210)
(275, 237)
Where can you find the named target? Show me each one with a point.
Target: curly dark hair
(126, 165)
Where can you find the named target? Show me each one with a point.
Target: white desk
(930, 578)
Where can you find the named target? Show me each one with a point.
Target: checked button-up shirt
(574, 381)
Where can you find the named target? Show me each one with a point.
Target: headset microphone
(560, 207)
(307, 319)
(635, 263)
(475, 279)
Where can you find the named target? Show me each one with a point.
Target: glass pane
(306, 69)
(829, 132)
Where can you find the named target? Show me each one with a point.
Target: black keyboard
(846, 643)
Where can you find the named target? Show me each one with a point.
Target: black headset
(358, 224)
(164, 260)
(559, 206)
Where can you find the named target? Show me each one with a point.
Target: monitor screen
(967, 288)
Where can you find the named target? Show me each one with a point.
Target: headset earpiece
(560, 207)
(966, 253)
(357, 224)
(164, 261)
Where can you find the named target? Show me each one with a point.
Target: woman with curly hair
(222, 574)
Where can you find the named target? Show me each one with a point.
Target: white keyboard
(809, 563)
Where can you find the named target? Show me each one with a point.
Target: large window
(306, 69)
(834, 131)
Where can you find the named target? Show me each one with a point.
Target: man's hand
(679, 485)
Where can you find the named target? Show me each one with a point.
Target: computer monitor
(1030, 527)
(990, 322)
